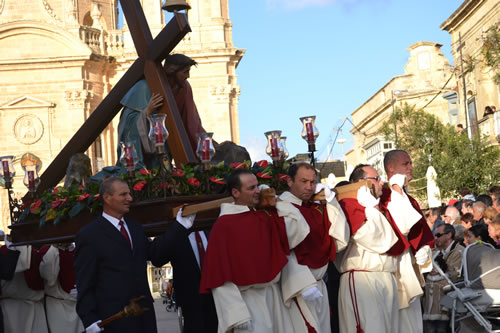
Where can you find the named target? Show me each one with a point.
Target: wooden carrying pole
(133, 309)
(201, 207)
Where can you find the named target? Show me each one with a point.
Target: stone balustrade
(490, 126)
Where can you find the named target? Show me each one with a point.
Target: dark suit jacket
(199, 310)
(109, 273)
(8, 262)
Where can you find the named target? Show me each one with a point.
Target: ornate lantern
(129, 157)
(283, 150)
(309, 131)
(273, 146)
(7, 171)
(158, 134)
(31, 179)
(205, 150)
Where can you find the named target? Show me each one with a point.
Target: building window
(387, 145)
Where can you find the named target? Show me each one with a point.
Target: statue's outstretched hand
(155, 102)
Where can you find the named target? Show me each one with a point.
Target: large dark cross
(151, 53)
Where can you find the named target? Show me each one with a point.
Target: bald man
(414, 249)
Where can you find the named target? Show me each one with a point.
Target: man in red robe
(246, 252)
(368, 293)
(328, 233)
(414, 249)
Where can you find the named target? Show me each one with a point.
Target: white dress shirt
(116, 223)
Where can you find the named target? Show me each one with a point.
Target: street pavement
(167, 322)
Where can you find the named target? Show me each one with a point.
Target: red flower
(178, 172)
(264, 175)
(83, 197)
(263, 163)
(139, 185)
(238, 165)
(80, 188)
(283, 178)
(55, 190)
(35, 205)
(56, 203)
(97, 196)
(217, 180)
(193, 181)
(144, 172)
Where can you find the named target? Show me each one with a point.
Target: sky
(323, 58)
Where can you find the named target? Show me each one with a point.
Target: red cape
(245, 249)
(419, 235)
(354, 212)
(32, 275)
(66, 275)
(318, 247)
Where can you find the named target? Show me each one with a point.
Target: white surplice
(368, 274)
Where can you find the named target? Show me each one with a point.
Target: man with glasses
(368, 293)
(414, 249)
(448, 255)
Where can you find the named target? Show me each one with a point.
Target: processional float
(155, 214)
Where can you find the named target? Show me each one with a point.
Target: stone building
(468, 25)
(60, 58)
(428, 82)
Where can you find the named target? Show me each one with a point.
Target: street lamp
(394, 94)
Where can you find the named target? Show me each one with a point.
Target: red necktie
(201, 249)
(125, 233)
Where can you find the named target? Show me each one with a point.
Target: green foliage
(491, 50)
(459, 161)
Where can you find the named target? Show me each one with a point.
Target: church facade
(61, 58)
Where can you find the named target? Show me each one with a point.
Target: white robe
(409, 282)
(261, 303)
(59, 305)
(22, 307)
(375, 290)
(317, 313)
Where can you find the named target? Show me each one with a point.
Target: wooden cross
(151, 53)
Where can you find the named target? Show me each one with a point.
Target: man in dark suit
(110, 265)
(185, 250)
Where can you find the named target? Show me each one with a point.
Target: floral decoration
(60, 204)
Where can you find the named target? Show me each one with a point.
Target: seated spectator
(494, 230)
(452, 215)
(467, 220)
(487, 111)
(496, 204)
(478, 232)
(494, 192)
(459, 233)
(485, 198)
(489, 214)
(478, 210)
(467, 206)
(431, 216)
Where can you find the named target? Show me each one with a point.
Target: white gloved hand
(186, 221)
(422, 255)
(73, 293)
(329, 194)
(312, 294)
(365, 198)
(94, 328)
(398, 179)
(263, 187)
(246, 326)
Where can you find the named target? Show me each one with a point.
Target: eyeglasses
(437, 235)
(377, 179)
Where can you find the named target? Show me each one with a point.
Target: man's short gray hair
(106, 186)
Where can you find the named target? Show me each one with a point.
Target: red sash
(318, 247)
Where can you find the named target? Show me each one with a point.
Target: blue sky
(323, 58)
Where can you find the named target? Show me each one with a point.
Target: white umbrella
(433, 193)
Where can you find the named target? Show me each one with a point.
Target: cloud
(256, 147)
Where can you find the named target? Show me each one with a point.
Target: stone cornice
(459, 15)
